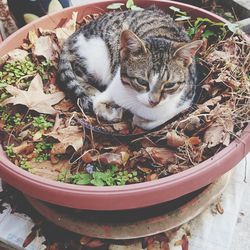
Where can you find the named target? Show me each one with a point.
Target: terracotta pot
(119, 197)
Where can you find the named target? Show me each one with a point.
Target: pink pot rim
(129, 196)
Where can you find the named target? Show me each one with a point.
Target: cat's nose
(153, 102)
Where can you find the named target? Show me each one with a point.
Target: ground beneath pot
(224, 228)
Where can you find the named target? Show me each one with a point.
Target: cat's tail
(72, 85)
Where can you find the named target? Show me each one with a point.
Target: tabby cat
(140, 61)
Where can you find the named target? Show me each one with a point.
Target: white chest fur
(96, 55)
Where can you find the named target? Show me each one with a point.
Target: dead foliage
(44, 133)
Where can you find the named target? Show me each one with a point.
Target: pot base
(136, 223)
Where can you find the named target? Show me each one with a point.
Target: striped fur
(93, 60)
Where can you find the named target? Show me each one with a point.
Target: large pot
(118, 197)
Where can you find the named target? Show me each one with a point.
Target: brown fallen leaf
(225, 78)
(2, 124)
(24, 148)
(34, 98)
(185, 243)
(64, 105)
(69, 28)
(120, 126)
(152, 177)
(175, 140)
(161, 156)
(84, 240)
(199, 32)
(46, 47)
(3, 59)
(194, 140)
(48, 170)
(95, 243)
(219, 132)
(219, 207)
(90, 156)
(32, 36)
(29, 238)
(145, 169)
(110, 158)
(17, 55)
(175, 169)
(70, 136)
(125, 157)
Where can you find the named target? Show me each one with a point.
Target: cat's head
(155, 68)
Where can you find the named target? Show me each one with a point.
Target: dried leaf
(24, 148)
(175, 140)
(124, 156)
(213, 134)
(184, 245)
(90, 156)
(96, 243)
(194, 140)
(32, 36)
(219, 133)
(152, 177)
(48, 170)
(225, 78)
(17, 55)
(198, 34)
(70, 27)
(3, 59)
(161, 156)
(34, 98)
(219, 207)
(44, 46)
(145, 169)
(110, 158)
(175, 169)
(54, 6)
(64, 105)
(70, 136)
(28, 17)
(120, 126)
(29, 238)
(84, 240)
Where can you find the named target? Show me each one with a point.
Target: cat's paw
(108, 111)
(144, 123)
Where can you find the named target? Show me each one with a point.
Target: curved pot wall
(120, 197)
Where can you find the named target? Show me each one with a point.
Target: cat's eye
(170, 85)
(142, 82)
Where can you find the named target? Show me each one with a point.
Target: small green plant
(124, 177)
(3, 113)
(130, 5)
(210, 28)
(15, 71)
(44, 68)
(64, 176)
(24, 164)
(41, 149)
(12, 120)
(109, 177)
(179, 15)
(40, 122)
(42, 157)
(9, 151)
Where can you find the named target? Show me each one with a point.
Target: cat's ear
(131, 43)
(187, 51)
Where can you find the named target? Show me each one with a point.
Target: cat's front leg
(105, 108)
(146, 124)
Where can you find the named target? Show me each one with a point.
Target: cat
(140, 61)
